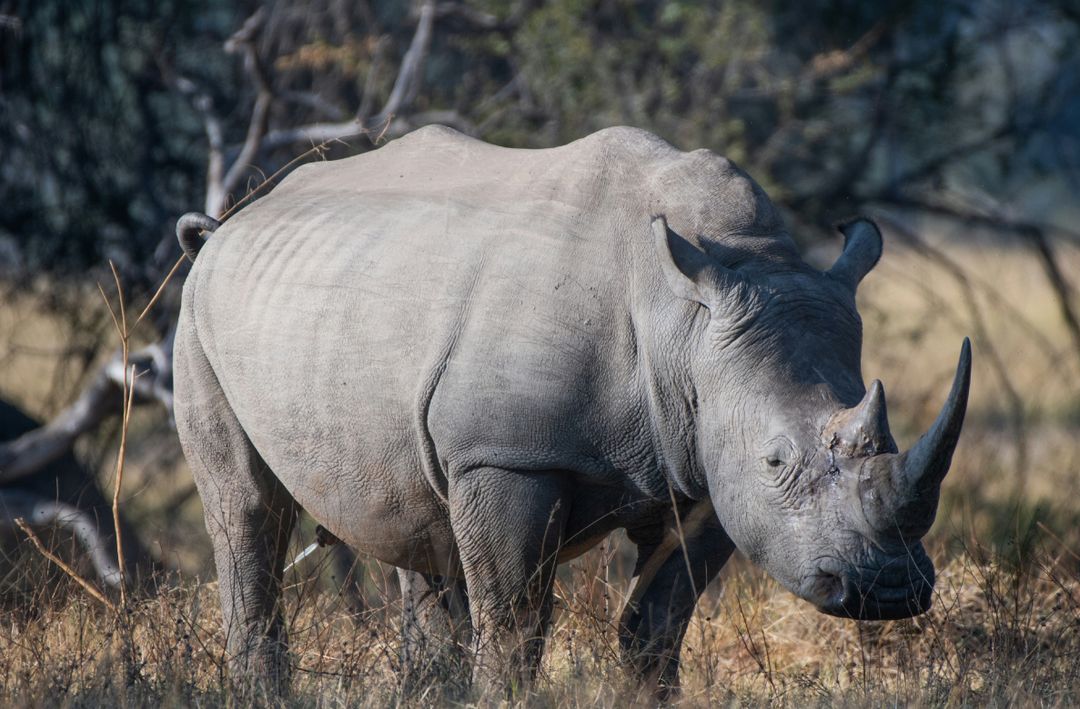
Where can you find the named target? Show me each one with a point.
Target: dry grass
(1000, 633)
(1004, 629)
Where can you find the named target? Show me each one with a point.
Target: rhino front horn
(928, 460)
(908, 484)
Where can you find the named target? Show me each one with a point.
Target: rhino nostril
(833, 590)
(853, 597)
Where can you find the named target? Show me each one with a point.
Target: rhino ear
(690, 273)
(862, 249)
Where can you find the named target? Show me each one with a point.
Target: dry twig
(89, 587)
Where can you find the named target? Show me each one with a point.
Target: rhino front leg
(434, 630)
(508, 526)
(669, 576)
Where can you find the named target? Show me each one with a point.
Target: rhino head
(796, 453)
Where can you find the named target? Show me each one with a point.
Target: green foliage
(98, 152)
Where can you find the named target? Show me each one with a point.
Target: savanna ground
(1004, 629)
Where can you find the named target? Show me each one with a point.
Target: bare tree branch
(469, 15)
(1001, 225)
(933, 166)
(1063, 292)
(406, 86)
(221, 180)
(314, 102)
(395, 126)
(311, 133)
(1035, 234)
(367, 101)
(215, 137)
(244, 42)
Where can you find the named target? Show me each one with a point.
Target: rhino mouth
(899, 587)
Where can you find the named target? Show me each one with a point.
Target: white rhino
(475, 363)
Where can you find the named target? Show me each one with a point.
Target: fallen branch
(35, 449)
(42, 512)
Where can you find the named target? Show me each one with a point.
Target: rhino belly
(355, 473)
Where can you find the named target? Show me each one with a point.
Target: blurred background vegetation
(957, 108)
(956, 124)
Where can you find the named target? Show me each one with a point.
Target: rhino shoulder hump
(714, 195)
(432, 133)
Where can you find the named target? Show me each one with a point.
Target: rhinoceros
(475, 363)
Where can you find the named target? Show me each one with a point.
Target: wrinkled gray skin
(475, 363)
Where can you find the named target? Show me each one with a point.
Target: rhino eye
(778, 453)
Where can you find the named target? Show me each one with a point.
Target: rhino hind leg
(249, 517)
(508, 526)
(653, 624)
(434, 633)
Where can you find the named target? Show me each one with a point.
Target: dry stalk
(161, 289)
(129, 386)
(319, 149)
(682, 534)
(127, 391)
(385, 128)
(89, 587)
(1058, 539)
(128, 398)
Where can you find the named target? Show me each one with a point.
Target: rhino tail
(189, 230)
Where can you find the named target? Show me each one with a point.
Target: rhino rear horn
(862, 249)
(864, 429)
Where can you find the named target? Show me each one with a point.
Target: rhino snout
(899, 586)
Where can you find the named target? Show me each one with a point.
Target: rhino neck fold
(672, 403)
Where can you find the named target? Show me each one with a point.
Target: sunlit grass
(998, 633)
